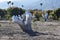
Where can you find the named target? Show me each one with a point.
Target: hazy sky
(33, 4)
(24, 1)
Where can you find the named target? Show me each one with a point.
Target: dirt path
(45, 31)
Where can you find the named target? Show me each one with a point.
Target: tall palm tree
(42, 10)
(22, 5)
(9, 2)
(41, 6)
(12, 3)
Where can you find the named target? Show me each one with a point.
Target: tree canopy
(15, 11)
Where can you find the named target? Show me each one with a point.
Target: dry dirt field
(44, 31)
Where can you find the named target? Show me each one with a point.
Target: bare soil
(44, 31)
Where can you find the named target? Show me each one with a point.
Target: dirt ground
(44, 31)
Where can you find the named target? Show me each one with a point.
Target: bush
(57, 13)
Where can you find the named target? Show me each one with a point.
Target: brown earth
(44, 31)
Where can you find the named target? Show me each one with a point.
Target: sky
(9, 0)
(32, 4)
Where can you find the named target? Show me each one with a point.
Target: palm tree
(42, 10)
(41, 6)
(12, 3)
(22, 5)
(9, 2)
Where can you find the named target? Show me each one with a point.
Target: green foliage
(15, 11)
(34, 19)
(51, 15)
(7, 16)
(57, 13)
(2, 13)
